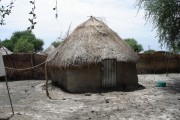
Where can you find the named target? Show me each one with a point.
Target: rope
(46, 75)
(26, 68)
(22, 69)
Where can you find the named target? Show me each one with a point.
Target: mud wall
(84, 79)
(127, 76)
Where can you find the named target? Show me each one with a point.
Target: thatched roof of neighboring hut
(91, 42)
(5, 51)
(48, 50)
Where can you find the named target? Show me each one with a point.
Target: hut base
(89, 78)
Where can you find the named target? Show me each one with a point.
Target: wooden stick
(9, 96)
(46, 77)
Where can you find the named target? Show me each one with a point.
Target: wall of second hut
(22, 61)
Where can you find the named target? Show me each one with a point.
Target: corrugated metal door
(109, 73)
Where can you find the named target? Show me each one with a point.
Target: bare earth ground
(30, 102)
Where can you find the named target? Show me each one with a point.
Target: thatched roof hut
(5, 51)
(48, 50)
(91, 43)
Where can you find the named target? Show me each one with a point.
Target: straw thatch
(5, 51)
(91, 42)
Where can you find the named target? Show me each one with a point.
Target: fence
(21, 61)
(158, 62)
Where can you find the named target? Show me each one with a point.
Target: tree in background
(8, 44)
(176, 47)
(26, 37)
(134, 44)
(23, 46)
(150, 51)
(165, 15)
(56, 43)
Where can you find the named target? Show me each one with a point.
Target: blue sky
(120, 15)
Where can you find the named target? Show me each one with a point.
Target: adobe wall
(127, 75)
(58, 76)
(84, 79)
(89, 78)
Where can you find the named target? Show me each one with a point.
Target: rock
(19, 113)
(92, 111)
(101, 94)
(87, 94)
(26, 90)
(107, 100)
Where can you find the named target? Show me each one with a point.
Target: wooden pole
(46, 77)
(9, 96)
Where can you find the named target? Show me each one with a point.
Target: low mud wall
(158, 62)
(23, 61)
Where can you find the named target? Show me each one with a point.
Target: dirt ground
(30, 102)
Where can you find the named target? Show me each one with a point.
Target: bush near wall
(22, 61)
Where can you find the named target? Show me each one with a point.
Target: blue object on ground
(160, 84)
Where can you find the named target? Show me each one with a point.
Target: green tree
(23, 46)
(134, 44)
(8, 44)
(56, 43)
(150, 51)
(27, 36)
(176, 47)
(38, 45)
(165, 15)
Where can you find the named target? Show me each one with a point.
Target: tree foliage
(23, 46)
(56, 43)
(165, 16)
(26, 37)
(150, 51)
(176, 47)
(134, 44)
(8, 44)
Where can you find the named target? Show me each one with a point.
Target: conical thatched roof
(5, 51)
(91, 42)
(48, 50)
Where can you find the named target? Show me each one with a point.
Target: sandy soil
(30, 102)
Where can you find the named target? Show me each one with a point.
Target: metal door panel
(109, 73)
